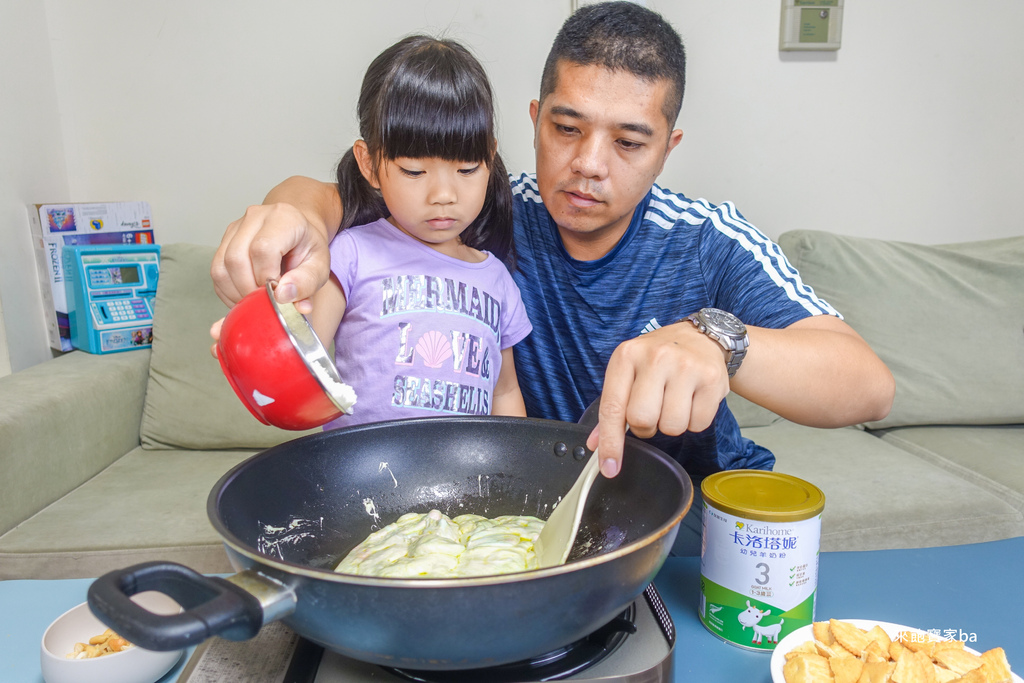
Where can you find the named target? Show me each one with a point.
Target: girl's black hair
(428, 97)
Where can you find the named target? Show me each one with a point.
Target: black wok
(287, 516)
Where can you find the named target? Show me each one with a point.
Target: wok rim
(293, 569)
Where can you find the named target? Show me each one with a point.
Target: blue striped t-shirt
(677, 256)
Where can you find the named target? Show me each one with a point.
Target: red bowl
(272, 360)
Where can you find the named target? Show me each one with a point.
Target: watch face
(725, 321)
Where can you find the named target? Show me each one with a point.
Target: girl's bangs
(436, 120)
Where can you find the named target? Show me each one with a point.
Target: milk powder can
(759, 556)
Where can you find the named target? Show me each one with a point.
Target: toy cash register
(110, 290)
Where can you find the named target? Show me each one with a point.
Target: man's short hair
(621, 35)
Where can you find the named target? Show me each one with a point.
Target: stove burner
(551, 666)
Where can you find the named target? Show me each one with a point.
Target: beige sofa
(108, 460)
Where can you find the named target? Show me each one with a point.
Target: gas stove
(635, 647)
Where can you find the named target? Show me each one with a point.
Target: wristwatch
(727, 330)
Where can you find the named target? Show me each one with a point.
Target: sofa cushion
(948, 320)
(748, 413)
(880, 496)
(55, 434)
(991, 457)
(189, 403)
(119, 518)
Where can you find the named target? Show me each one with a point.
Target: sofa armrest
(63, 421)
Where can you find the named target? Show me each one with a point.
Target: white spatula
(559, 532)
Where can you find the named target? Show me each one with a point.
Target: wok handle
(211, 606)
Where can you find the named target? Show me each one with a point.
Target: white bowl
(132, 665)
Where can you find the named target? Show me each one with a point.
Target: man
(610, 266)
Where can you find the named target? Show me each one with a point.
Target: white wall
(202, 107)
(31, 166)
(910, 131)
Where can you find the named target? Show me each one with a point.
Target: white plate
(804, 633)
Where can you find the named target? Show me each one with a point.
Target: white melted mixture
(433, 545)
(344, 396)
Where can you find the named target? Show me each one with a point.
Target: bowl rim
(308, 345)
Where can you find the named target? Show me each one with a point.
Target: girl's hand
(215, 333)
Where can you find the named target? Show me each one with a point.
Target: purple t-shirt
(423, 332)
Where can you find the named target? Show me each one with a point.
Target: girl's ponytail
(492, 229)
(360, 202)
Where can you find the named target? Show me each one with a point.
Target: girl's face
(432, 200)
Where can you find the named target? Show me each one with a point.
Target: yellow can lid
(762, 495)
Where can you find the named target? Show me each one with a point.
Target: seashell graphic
(434, 349)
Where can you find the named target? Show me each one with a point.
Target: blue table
(975, 589)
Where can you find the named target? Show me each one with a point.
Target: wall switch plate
(811, 25)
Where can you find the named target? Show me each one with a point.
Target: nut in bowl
(61, 663)
(863, 651)
(277, 365)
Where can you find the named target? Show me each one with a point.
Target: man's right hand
(271, 242)
(284, 239)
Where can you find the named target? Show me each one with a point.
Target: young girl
(420, 304)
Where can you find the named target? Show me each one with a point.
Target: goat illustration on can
(752, 617)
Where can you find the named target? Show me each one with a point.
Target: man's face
(601, 139)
